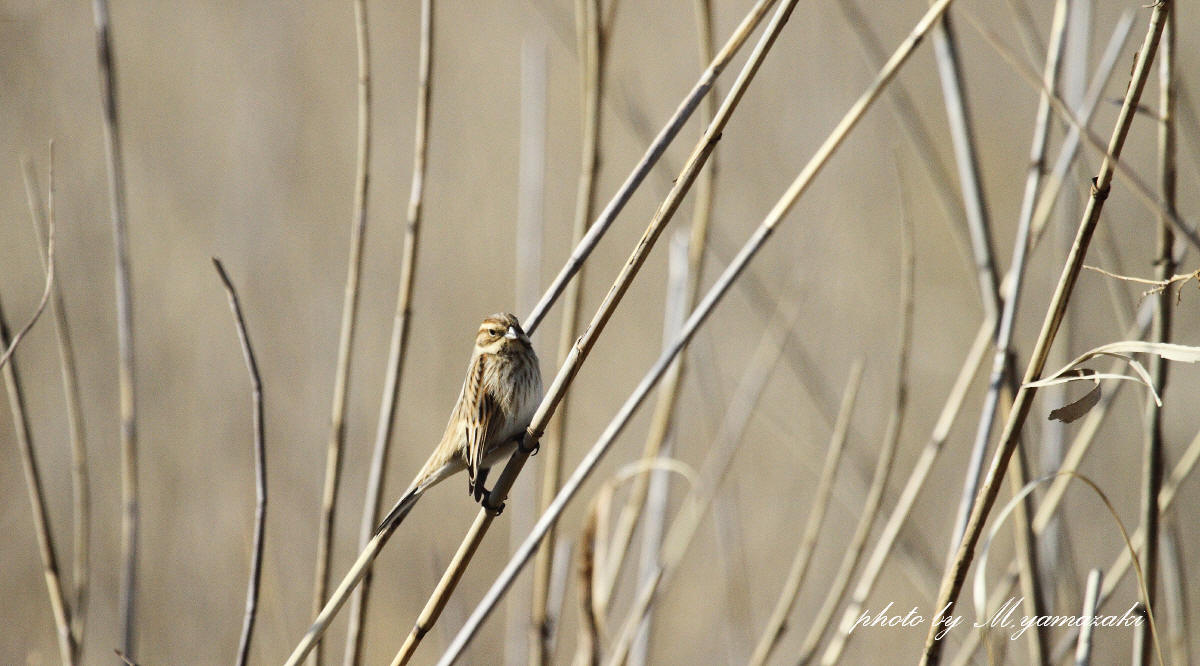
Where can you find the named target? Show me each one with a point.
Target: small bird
(502, 389)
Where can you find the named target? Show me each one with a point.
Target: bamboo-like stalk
(590, 39)
(260, 465)
(1073, 84)
(797, 188)
(130, 516)
(956, 573)
(1052, 497)
(776, 625)
(668, 394)
(1083, 650)
(337, 427)
(398, 344)
(836, 592)
(80, 483)
(67, 645)
(566, 374)
(1152, 461)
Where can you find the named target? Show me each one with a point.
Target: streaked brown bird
(502, 389)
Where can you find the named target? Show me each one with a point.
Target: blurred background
(239, 120)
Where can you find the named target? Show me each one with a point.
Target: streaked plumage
(502, 389)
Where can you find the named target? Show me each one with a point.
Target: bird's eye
(494, 332)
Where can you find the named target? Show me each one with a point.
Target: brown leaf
(1073, 410)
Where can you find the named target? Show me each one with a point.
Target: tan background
(239, 125)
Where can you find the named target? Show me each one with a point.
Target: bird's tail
(400, 510)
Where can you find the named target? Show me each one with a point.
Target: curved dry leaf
(1073, 410)
(1121, 350)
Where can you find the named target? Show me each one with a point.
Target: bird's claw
(493, 510)
(531, 450)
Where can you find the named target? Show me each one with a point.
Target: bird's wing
(479, 421)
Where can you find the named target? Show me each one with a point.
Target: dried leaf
(1169, 351)
(1073, 410)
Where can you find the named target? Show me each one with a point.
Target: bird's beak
(513, 334)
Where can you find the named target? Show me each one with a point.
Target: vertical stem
(260, 466)
(124, 298)
(1152, 462)
(337, 433)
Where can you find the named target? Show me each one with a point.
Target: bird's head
(501, 333)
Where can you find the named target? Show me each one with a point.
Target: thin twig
(260, 465)
(67, 646)
(124, 297)
(337, 428)
(10, 346)
(565, 375)
(789, 198)
(80, 484)
(777, 624)
(869, 513)
(956, 573)
(398, 345)
(590, 41)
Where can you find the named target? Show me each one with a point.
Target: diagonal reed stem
(130, 515)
